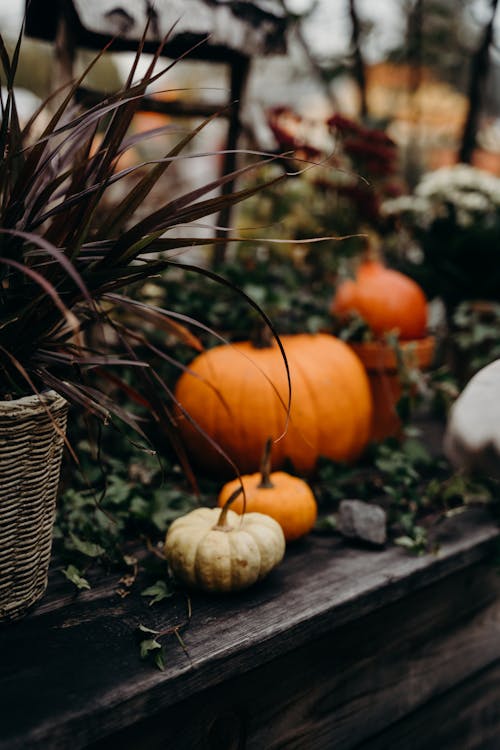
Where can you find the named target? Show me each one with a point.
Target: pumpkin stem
(262, 337)
(222, 523)
(265, 467)
(372, 250)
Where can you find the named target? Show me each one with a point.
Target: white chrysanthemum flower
(461, 176)
(467, 190)
(475, 202)
(405, 204)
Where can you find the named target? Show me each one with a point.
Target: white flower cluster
(461, 191)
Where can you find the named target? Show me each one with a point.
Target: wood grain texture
(225, 31)
(341, 690)
(252, 28)
(71, 673)
(465, 718)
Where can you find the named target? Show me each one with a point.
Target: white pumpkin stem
(265, 467)
(222, 524)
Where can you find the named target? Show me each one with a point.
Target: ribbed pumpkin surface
(386, 299)
(233, 396)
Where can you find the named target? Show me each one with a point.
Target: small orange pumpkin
(287, 499)
(387, 300)
(237, 394)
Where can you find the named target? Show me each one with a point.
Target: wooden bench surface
(71, 674)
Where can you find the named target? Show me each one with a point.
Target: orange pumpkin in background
(387, 300)
(287, 499)
(237, 394)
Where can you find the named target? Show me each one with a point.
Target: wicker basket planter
(30, 460)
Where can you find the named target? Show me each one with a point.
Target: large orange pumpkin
(232, 392)
(387, 300)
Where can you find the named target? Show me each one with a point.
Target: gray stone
(363, 521)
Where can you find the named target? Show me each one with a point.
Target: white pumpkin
(219, 551)
(472, 440)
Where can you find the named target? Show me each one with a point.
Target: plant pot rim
(379, 355)
(33, 402)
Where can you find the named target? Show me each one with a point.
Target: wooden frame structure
(209, 30)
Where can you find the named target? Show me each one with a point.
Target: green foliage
(117, 498)
(460, 265)
(454, 217)
(476, 333)
(151, 647)
(307, 205)
(158, 592)
(416, 489)
(338, 200)
(416, 540)
(285, 291)
(74, 575)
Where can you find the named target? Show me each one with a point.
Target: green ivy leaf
(74, 575)
(159, 659)
(139, 507)
(158, 591)
(327, 523)
(416, 543)
(416, 452)
(148, 645)
(456, 487)
(152, 647)
(87, 548)
(405, 541)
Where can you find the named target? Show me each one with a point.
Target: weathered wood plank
(465, 718)
(251, 28)
(344, 688)
(77, 667)
(224, 31)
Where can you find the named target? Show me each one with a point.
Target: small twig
(154, 550)
(176, 629)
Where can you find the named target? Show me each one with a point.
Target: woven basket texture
(30, 461)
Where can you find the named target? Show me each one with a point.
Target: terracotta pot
(380, 362)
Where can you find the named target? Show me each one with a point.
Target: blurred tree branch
(480, 66)
(358, 61)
